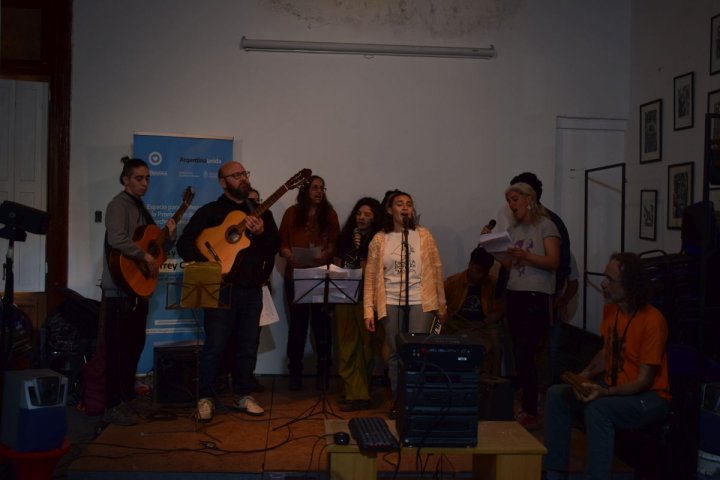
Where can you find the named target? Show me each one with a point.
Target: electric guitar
(223, 242)
(134, 276)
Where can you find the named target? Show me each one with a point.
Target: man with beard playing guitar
(248, 274)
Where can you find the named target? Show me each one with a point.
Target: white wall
(669, 38)
(451, 132)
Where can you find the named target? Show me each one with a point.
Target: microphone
(406, 222)
(490, 225)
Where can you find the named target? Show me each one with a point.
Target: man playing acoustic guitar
(125, 314)
(247, 273)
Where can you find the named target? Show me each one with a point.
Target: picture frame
(679, 192)
(684, 101)
(648, 214)
(713, 101)
(715, 45)
(651, 131)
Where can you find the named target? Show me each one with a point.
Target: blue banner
(176, 162)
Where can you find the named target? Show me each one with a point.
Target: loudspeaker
(496, 399)
(437, 391)
(33, 416)
(176, 375)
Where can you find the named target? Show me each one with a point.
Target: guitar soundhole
(233, 235)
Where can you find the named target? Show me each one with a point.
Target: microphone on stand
(406, 222)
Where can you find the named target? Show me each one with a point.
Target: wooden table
(505, 450)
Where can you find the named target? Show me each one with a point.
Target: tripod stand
(18, 220)
(323, 286)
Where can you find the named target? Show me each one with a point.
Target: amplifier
(447, 352)
(176, 377)
(423, 392)
(437, 430)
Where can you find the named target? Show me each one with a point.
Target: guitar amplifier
(176, 375)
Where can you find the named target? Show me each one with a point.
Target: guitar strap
(143, 211)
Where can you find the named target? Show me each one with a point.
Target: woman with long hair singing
(403, 279)
(355, 349)
(311, 225)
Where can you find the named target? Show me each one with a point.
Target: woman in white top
(531, 261)
(386, 276)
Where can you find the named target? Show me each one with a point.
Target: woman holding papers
(401, 254)
(355, 350)
(308, 233)
(531, 260)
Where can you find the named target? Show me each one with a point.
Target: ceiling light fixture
(366, 49)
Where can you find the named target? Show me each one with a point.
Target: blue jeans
(244, 316)
(602, 417)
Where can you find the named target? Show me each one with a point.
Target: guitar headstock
(298, 179)
(188, 196)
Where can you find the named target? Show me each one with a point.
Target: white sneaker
(205, 408)
(248, 405)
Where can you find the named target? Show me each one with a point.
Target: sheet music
(496, 244)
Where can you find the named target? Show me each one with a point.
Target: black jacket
(254, 264)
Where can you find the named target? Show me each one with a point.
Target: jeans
(602, 417)
(419, 323)
(241, 322)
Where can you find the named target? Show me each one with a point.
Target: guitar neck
(162, 238)
(270, 201)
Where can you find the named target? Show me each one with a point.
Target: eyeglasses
(238, 175)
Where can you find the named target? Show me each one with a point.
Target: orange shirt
(644, 343)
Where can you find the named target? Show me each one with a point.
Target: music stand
(201, 287)
(324, 285)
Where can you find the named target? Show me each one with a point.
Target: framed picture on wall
(713, 102)
(651, 131)
(648, 214)
(684, 101)
(715, 45)
(680, 193)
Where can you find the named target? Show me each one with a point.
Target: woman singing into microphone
(355, 350)
(531, 261)
(386, 277)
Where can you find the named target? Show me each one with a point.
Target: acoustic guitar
(223, 242)
(134, 276)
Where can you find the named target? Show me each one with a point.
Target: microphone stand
(406, 250)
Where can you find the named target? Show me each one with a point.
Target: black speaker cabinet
(176, 375)
(496, 397)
